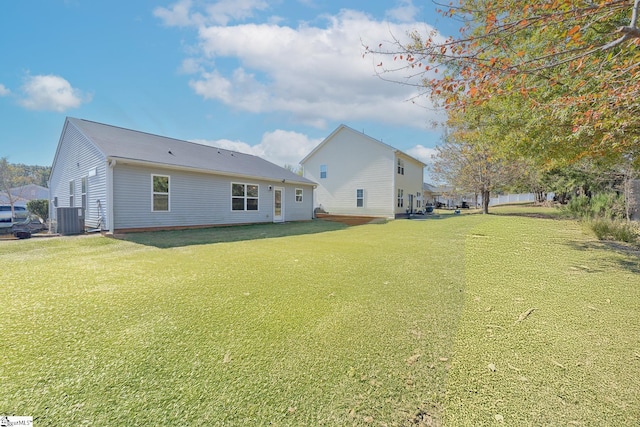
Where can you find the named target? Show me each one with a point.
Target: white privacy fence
(516, 198)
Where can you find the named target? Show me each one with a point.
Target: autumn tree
(467, 159)
(568, 72)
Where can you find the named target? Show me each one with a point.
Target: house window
(83, 192)
(72, 190)
(298, 195)
(323, 171)
(360, 198)
(400, 197)
(244, 197)
(400, 167)
(160, 194)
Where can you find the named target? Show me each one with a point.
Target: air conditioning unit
(70, 221)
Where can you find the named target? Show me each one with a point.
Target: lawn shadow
(226, 234)
(530, 214)
(631, 260)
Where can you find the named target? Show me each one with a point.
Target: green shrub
(606, 229)
(607, 205)
(579, 207)
(39, 207)
(603, 205)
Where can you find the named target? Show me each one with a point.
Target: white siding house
(125, 180)
(359, 175)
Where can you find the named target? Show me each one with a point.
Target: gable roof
(130, 145)
(347, 128)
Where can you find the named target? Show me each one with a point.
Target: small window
(298, 195)
(83, 192)
(400, 167)
(323, 171)
(360, 198)
(160, 194)
(244, 197)
(400, 197)
(72, 190)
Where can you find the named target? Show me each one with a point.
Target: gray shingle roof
(120, 143)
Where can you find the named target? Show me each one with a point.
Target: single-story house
(126, 180)
(362, 176)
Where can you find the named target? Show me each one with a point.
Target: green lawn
(403, 323)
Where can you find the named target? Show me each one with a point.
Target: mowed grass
(404, 323)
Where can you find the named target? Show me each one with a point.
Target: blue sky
(271, 78)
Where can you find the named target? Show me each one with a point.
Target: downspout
(111, 163)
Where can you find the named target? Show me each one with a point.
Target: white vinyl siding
(197, 199)
(355, 162)
(411, 184)
(77, 158)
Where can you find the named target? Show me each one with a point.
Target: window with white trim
(400, 167)
(244, 197)
(400, 197)
(72, 191)
(298, 195)
(160, 193)
(360, 197)
(83, 192)
(323, 171)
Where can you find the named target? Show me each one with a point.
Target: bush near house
(39, 207)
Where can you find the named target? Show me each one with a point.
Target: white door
(278, 204)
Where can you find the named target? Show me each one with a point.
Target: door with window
(278, 204)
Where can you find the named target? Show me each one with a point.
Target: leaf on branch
(573, 30)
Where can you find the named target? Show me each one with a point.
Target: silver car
(20, 214)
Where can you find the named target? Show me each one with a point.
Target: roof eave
(138, 162)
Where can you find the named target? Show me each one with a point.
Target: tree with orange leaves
(562, 77)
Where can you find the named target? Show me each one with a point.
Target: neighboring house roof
(429, 187)
(21, 195)
(120, 143)
(345, 127)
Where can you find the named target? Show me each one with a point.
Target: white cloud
(3, 90)
(315, 73)
(221, 12)
(422, 153)
(179, 15)
(405, 12)
(52, 93)
(280, 147)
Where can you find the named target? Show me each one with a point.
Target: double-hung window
(360, 198)
(160, 193)
(83, 192)
(298, 195)
(400, 197)
(400, 167)
(72, 191)
(323, 171)
(244, 197)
